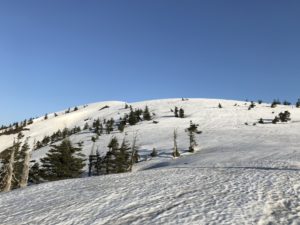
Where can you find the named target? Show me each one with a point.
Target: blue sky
(57, 54)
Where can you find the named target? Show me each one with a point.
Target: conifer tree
(110, 157)
(86, 126)
(109, 125)
(62, 162)
(132, 118)
(176, 111)
(181, 113)
(251, 106)
(122, 124)
(275, 120)
(298, 103)
(275, 103)
(192, 130)
(285, 116)
(146, 114)
(123, 157)
(34, 174)
(153, 153)
(261, 121)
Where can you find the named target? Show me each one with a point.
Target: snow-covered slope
(239, 175)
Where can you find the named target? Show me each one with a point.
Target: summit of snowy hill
(242, 172)
(231, 135)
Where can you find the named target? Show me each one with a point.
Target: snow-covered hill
(240, 174)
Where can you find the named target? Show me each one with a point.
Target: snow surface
(239, 175)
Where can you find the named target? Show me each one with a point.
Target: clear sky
(56, 54)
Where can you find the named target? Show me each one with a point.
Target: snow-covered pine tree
(62, 162)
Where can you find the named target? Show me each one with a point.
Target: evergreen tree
(95, 163)
(181, 113)
(62, 162)
(192, 130)
(133, 117)
(30, 121)
(298, 103)
(110, 157)
(86, 126)
(261, 121)
(123, 157)
(122, 124)
(285, 116)
(65, 132)
(275, 120)
(176, 111)
(220, 106)
(109, 126)
(38, 145)
(251, 106)
(34, 174)
(146, 114)
(20, 136)
(275, 103)
(153, 153)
